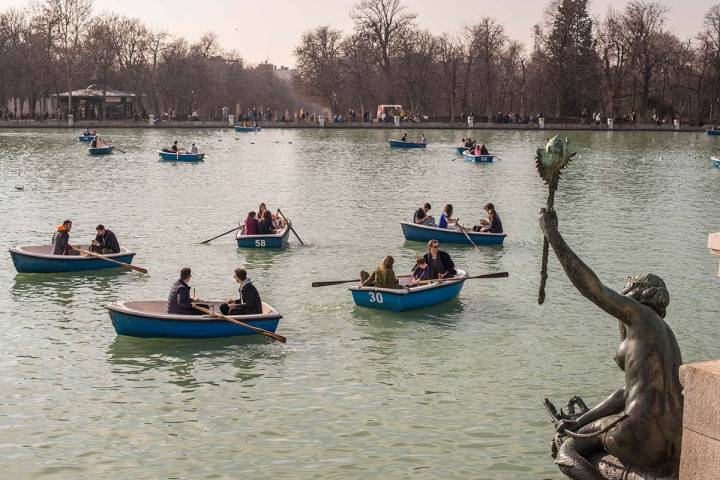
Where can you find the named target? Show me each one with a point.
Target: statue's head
(649, 290)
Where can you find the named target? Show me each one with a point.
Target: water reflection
(61, 288)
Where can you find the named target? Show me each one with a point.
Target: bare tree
(318, 64)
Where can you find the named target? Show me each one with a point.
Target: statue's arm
(623, 308)
(612, 405)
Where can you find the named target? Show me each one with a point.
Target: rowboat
(477, 158)
(149, 319)
(398, 300)
(39, 259)
(716, 161)
(425, 233)
(276, 240)
(460, 150)
(401, 144)
(100, 150)
(181, 157)
(86, 138)
(712, 132)
(247, 129)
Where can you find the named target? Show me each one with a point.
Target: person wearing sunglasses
(440, 263)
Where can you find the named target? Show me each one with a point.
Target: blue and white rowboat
(149, 319)
(247, 129)
(460, 150)
(712, 132)
(477, 158)
(181, 157)
(716, 161)
(424, 233)
(401, 144)
(276, 240)
(86, 138)
(100, 150)
(39, 259)
(398, 300)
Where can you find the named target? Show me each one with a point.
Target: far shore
(102, 125)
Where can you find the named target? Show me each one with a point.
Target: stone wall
(701, 421)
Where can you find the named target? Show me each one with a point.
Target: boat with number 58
(275, 240)
(399, 300)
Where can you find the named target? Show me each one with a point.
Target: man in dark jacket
(249, 302)
(179, 300)
(61, 239)
(440, 263)
(105, 241)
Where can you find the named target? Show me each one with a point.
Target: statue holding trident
(635, 433)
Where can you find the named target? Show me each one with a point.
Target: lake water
(450, 392)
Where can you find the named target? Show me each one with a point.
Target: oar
(466, 235)
(334, 282)
(291, 227)
(121, 151)
(222, 234)
(122, 264)
(272, 335)
(487, 275)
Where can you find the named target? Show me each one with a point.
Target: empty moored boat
(101, 150)
(401, 144)
(424, 233)
(398, 300)
(39, 259)
(275, 240)
(181, 157)
(149, 319)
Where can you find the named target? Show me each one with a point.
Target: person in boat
(404, 137)
(105, 241)
(249, 302)
(446, 218)
(469, 143)
(194, 149)
(93, 132)
(421, 216)
(174, 147)
(491, 224)
(484, 150)
(382, 277)
(86, 132)
(439, 262)
(420, 271)
(251, 224)
(462, 143)
(61, 239)
(94, 143)
(422, 138)
(180, 302)
(265, 225)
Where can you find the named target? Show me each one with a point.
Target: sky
(270, 29)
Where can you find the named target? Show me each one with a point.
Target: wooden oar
(466, 235)
(291, 227)
(121, 151)
(222, 234)
(122, 264)
(487, 275)
(272, 335)
(334, 282)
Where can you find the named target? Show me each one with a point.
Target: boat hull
(27, 261)
(422, 233)
(148, 324)
(247, 129)
(712, 133)
(478, 158)
(715, 161)
(181, 157)
(460, 150)
(86, 138)
(278, 240)
(400, 144)
(402, 300)
(100, 150)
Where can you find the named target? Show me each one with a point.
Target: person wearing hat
(61, 240)
(105, 241)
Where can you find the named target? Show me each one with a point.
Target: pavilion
(87, 103)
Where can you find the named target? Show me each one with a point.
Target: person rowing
(105, 242)
(404, 137)
(440, 264)
(265, 224)
(446, 218)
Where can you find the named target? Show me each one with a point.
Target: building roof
(94, 91)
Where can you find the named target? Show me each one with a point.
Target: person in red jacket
(251, 224)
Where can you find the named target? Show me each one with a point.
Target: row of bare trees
(627, 65)
(56, 46)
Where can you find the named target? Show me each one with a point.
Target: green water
(449, 392)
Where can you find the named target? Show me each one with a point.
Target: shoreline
(108, 124)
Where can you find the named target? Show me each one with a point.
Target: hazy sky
(261, 29)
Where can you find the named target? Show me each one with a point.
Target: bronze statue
(636, 432)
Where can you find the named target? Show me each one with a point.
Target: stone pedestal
(397, 121)
(700, 458)
(151, 120)
(541, 123)
(321, 120)
(676, 123)
(231, 120)
(71, 120)
(611, 123)
(471, 122)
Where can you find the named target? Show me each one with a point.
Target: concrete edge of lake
(354, 125)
